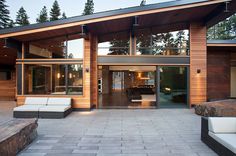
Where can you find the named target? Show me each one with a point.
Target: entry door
(233, 81)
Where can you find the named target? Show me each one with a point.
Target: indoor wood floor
(118, 99)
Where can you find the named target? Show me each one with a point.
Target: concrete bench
(16, 134)
(219, 133)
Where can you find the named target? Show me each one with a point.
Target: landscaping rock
(222, 108)
(16, 134)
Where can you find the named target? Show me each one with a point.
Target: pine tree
(89, 7)
(119, 47)
(64, 15)
(43, 16)
(4, 15)
(55, 11)
(22, 17)
(225, 30)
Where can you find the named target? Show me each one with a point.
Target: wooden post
(198, 63)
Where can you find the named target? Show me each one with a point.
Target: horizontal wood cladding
(7, 90)
(218, 78)
(77, 102)
(198, 56)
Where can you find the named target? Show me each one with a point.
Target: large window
(56, 48)
(171, 43)
(53, 79)
(114, 47)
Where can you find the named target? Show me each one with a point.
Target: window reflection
(55, 48)
(54, 79)
(171, 43)
(114, 47)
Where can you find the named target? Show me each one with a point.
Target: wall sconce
(87, 70)
(198, 71)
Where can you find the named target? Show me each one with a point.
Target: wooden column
(94, 72)
(198, 64)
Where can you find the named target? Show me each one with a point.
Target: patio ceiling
(162, 17)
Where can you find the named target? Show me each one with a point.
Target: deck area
(122, 132)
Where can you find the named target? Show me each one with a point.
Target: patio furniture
(31, 107)
(56, 108)
(16, 134)
(219, 133)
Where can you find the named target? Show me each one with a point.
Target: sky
(70, 7)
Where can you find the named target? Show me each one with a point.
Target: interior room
(127, 86)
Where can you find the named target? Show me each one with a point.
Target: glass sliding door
(173, 87)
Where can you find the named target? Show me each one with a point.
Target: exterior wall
(8, 89)
(198, 61)
(218, 78)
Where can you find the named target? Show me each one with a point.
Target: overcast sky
(70, 7)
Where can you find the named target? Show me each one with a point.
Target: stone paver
(148, 132)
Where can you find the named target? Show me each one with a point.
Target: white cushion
(227, 140)
(36, 100)
(59, 101)
(54, 108)
(222, 124)
(28, 108)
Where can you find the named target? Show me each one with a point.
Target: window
(171, 43)
(53, 79)
(56, 48)
(114, 47)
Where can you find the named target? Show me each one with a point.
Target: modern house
(149, 56)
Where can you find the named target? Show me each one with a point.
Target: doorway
(127, 86)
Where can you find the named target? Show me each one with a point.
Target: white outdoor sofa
(30, 109)
(56, 108)
(41, 107)
(219, 133)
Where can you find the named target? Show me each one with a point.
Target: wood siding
(198, 56)
(218, 78)
(7, 90)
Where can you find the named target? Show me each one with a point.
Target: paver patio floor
(147, 132)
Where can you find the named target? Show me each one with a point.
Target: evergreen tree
(4, 15)
(225, 30)
(64, 15)
(43, 16)
(55, 11)
(89, 7)
(22, 17)
(119, 47)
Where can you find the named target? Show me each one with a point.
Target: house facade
(153, 56)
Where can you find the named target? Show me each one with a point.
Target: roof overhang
(163, 16)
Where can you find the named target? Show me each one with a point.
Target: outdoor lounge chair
(219, 133)
(56, 108)
(31, 107)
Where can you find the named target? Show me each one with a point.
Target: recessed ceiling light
(5, 55)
